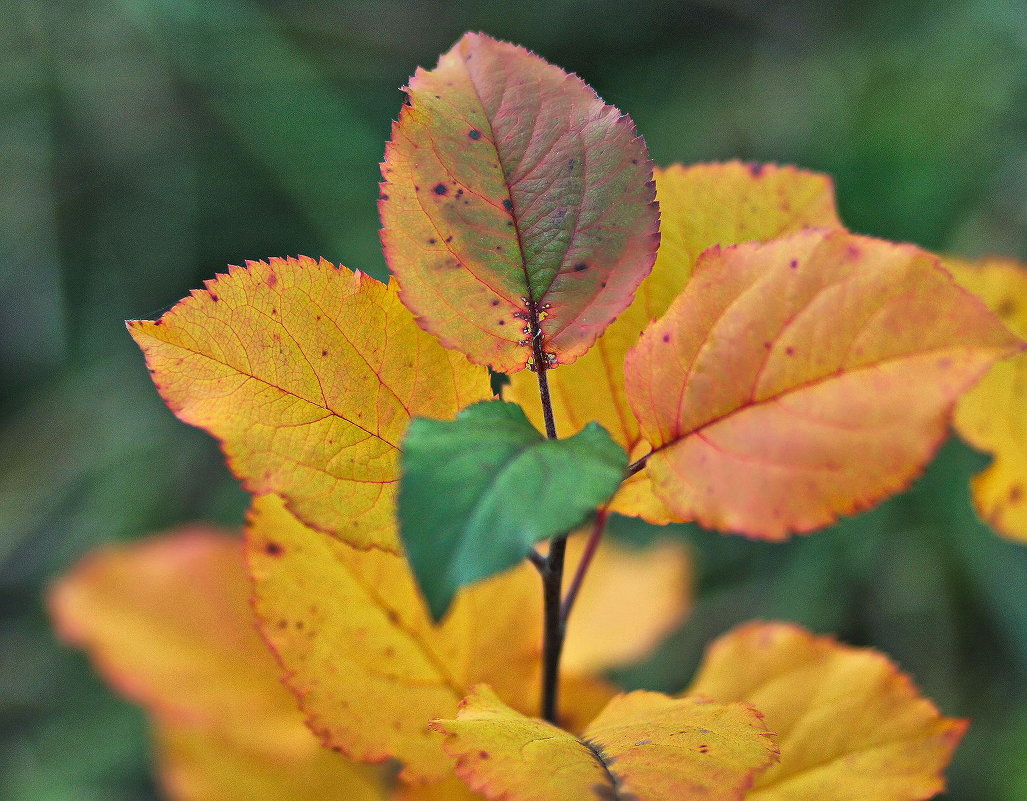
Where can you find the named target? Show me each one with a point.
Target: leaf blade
(507, 178)
(851, 725)
(308, 375)
(642, 746)
(993, 415)
(505, 487)
(316, 596)
(812, 340)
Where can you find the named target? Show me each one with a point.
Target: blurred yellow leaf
(850, 725)
(369, 667)
(308, 374)
(700, 206)
(642, 746)
(630, 600)
(169, 625)
(993, 415)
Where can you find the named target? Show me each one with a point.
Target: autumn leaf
(197, 764)
(700, 206)
(606, 632)
(515, 205)
(168, 623)
(993, 415)
(642, 746)
(309, 375)
(364, 657)
(799, 380)
(849, 724)
(505, 487)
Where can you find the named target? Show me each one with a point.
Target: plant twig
(552, 644)
(598, 527)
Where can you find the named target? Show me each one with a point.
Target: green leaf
(478, 492)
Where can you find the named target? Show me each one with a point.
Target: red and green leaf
(516, 206)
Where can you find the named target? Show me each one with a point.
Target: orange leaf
(643, 746)
(700, 206)
(169, 625)
(513, 195)
(805, 378)
(850, 725)
(606, 632)
(993, 415)
(363, 656)
(309, 375)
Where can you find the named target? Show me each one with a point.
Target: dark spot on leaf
(283, 624)
(483, 755)
(273, 549)
(383, 196)
(634, 161)
(508, 204)
(793, 263)
(392, 616)
(704, 749)
(439, 189)
(603, 285)
(431, 241)
(272, 279)
(449, 238)
(510, 223)
(499, 248)
(579, 268)
(417, 188)
(790, 351)
(756, 170)
(570, 164)
(1016, 493)
(666, 337)
(501, 322)
(1005, 308)
(474, 134)
(299, 624)
(214, 297)
(495, 302)
(767, 345)
(324, 353)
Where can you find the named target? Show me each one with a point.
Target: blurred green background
(144, 144)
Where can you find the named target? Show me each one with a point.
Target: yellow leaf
(606, 632)
(643, 746)
(804, 378)
(197, 764)
(850, 725)
(169, 625)
(993, 415)
(451, 789)
(308, 374)
(369, 667)
(700, 206)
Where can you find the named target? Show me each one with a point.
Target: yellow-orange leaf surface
(849, 724)
(805, 378)
(700, 206)
(369, 667)
(643, 747)
(515, 201)
(993, 415)
(606, 631)
(168, 623)
(309, 375)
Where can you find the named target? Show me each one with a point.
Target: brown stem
(552, 644)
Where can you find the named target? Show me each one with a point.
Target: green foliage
(478, 492)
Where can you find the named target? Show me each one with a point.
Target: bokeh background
(144, 144)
